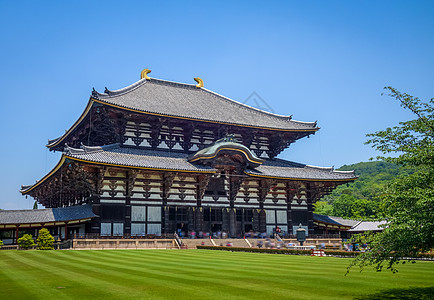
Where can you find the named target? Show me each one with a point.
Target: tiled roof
(187, 101)
(139, 158)
(356, 226)
(155, 159)
(279, 168)
(32, 216)
(368, 226)
(177, 161)
(335, 220)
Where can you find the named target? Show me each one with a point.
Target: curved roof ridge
(51, 141)
(27, 209)
(71, 150)
(90, 149)
(83, 149)
(180, 84)
(303, 122)
(345, 172)
(121, 91)
(113, 93)
(330, 169)
(358, 223)
(229, 144)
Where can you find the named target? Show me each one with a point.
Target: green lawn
(199, 274)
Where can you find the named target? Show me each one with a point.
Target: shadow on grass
(409, 293)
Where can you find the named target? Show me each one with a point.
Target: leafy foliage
(1, 243)
(361, 199)
(45, 240)
(26, 241)
(408, 203)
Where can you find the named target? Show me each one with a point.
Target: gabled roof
(188, 101)
(279, 168)
(118, 156)
(368, 226)
(115, 155)
(137, 158)
(38, 216)
(335, 220)
(356, 226)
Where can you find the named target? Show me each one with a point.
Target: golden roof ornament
(145, 73)
(199, 82)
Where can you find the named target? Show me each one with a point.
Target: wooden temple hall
(159, 157)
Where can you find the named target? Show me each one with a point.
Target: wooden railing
(124, 236)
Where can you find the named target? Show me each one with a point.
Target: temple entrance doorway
(216, 227)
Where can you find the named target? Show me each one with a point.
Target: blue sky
(315, 60)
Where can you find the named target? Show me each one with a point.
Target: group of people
(271, 244)
(356, 247)
(220, 235)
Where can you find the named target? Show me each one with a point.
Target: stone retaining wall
(124, 244)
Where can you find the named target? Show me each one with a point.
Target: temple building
(158, 157)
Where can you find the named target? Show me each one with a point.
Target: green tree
(363, 208)
(374, 176)
(26, 241)
(408, 203)
(1, 243)
(342, 206)
(35, 205)
(323, 208)
(45, 240)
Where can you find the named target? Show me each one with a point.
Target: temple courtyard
(200, 274)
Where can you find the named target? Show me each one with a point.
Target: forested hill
(360, 199)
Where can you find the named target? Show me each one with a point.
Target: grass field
(199, 274)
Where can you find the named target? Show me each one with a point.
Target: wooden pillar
(16, 233)
(310, 216)
(127, 220)
(201, 184)
(291, 191)
(243, 228)
(199, 219)
(165, 189)
(256, 220)
(262, 221)
(289, 215)
(190, 216)
(165, 219)
(131, 176)
(232, 222)
(226, 221)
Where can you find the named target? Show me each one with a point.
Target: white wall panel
(154, 214)
(106, 228)
(138, 213)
